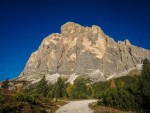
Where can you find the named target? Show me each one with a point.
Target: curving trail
(76, 107)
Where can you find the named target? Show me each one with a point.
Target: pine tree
(146, 78)
(60, 89)
(42, 87)
(145, 84)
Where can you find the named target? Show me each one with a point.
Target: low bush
(2, 99)
(32, 99)
(117, 98)
(99, 88)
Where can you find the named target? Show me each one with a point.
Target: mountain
(82, 51)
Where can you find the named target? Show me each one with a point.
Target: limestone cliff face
(83, 51)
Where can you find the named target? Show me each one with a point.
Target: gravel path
(76, 107)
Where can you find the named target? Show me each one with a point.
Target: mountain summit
(82, 51)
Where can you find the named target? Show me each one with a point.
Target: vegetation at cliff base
(131, 93)
(34, 99)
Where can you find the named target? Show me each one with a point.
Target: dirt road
(76, 107)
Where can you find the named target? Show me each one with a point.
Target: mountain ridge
(82, 51)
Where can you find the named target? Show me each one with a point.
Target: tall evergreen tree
(60, 89)
(145, 79)
(145, 84)
(42, 87)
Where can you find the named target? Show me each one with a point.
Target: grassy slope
(10, 104)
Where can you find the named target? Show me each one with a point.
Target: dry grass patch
(103, 109)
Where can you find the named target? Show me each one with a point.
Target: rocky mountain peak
(127, 42)
(82, 51)
(97, 29)
(70, 27)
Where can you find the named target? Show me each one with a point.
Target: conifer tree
(60, 89)
(42, 87)
(145, 84)
(146, 77)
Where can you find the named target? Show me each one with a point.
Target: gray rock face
(83, 51)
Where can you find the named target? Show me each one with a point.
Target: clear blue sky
(24, 24)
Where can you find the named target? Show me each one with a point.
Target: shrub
(5, 84)
(2, 99)
(99, 88)
(118, 98)
(42, 110)
(32, 99)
